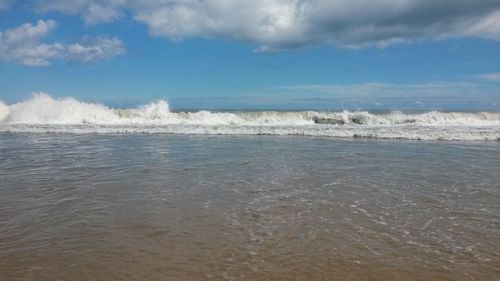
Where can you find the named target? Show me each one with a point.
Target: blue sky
(279, 54)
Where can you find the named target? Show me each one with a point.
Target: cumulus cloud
(23, 45)
(92, 12)
(95, 49)
(282, 24)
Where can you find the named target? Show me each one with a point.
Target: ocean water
(90, 204)
(43, 113)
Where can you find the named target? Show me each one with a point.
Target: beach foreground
(181, 207)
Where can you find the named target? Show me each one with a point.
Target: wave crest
(44, 113)
(4, 111)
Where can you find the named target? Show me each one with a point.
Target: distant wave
(43, 113)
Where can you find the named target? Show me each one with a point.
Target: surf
(43, 113)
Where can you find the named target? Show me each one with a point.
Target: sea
(89, 192)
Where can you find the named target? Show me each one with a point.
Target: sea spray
(4, 111)
(43, 113)
(43, 109)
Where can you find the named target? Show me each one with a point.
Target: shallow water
(180, 207)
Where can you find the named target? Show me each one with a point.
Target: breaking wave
(43, 113)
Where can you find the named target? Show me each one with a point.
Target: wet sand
(165, 207)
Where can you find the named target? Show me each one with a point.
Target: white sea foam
(4, 111)
(43, 113)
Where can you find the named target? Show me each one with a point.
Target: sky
(261, 54)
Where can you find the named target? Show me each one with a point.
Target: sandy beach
(166, 207)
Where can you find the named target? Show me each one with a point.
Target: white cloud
(494, 77)
(29, 32)
(96, 49)
(92, 12)
(24, 45)
(4, 4)
(440, 94)
(281, 24)
(487, 27)
(376, 89)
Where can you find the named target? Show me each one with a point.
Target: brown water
(163, 207)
